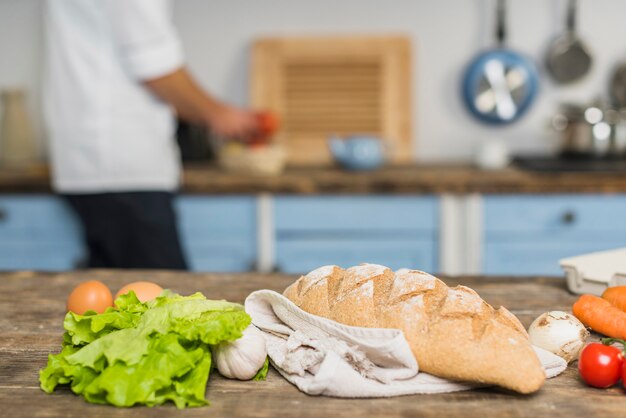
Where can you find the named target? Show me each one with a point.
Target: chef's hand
(229, 122)
(195, 105)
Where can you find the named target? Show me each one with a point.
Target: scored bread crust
(452, 332)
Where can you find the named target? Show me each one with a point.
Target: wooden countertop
(32, 306)
(414, 179)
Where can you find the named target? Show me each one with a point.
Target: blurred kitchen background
(447, 231)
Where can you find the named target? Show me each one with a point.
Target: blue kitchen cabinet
(396, 231)
(38, 232)
(528, 235)
(218, 234)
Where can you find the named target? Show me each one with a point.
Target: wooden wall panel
(335, 85)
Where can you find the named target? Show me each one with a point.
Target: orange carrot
(616, 296)
(601, 316)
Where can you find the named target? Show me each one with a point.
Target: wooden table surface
(411, 179)
(32, 306)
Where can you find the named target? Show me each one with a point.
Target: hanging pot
(568, 59)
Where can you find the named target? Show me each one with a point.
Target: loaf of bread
(453, 333)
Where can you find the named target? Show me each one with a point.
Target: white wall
(21, 51)
(446, 34)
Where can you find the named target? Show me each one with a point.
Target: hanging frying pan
(499, 85)
(568, 59)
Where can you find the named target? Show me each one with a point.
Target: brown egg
(89, 296)
(145, 291)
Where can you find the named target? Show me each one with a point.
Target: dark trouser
(130, 230)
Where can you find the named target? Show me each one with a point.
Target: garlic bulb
(560, 333)
(243, 358)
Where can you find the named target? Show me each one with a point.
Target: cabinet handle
(4, 215)
(568, 217)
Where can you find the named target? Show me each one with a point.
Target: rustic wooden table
(32, 306)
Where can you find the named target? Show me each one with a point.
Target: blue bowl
(358, 153)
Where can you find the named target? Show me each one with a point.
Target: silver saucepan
(595, 131)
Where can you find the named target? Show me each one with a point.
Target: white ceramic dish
(594, 272)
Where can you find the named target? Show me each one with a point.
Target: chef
(115, 74)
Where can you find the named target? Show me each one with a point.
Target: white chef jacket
(107, 131)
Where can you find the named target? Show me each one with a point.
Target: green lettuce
(262, 373)
(144, 353)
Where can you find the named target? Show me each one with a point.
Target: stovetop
(569, 164)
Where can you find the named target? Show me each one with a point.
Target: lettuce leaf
(262, 373)
(144, 353)
(83, 329)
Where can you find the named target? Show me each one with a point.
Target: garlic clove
(560, 333)
(243, 358)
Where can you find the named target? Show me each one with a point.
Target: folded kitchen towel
(323, 357)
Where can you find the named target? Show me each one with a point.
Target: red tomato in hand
(600, 365)
(268, 123)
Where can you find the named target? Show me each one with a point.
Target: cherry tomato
(600, 365)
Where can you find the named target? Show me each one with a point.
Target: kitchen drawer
(236, 213)
(38, 232)
(47, 214)
(397, 231)
(540, 255)
(48, 256)
(227, 255)
(527, 235)
(374, 213)
(218, 233)
(296, 256)
(523, 214)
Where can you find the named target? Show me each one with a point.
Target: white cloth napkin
(323, 357)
